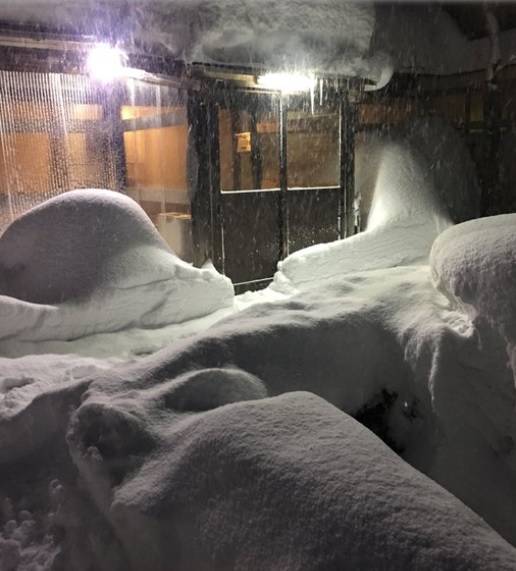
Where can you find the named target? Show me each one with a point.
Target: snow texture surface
(474, 264)
(282, 483)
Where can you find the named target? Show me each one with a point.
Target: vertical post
(467, 113)
(492, 125)
(204, 180)
(283, 196)
(217, 207)
(347, 164)
(256, 154)
(236, 128)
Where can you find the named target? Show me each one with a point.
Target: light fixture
(287, 82)
(105, 63)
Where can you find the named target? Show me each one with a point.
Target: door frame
(208, 205)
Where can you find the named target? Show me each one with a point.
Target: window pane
(313, 149)
(156, 143)
(249, 145)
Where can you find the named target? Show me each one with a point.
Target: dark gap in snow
(375, 415)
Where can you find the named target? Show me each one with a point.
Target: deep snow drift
(192, 456)
(413, 182)
(91, 262)
(473, 264)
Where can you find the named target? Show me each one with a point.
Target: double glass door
(280, 178)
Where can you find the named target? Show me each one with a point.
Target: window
(313, 152)
(250, 144)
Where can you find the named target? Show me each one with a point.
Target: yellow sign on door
(243, 142)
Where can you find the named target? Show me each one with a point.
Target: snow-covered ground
(233, 446)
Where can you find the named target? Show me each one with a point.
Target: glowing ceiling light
(287, 82)
(105, 63)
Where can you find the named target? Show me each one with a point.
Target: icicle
(312, 98)
(321, 91)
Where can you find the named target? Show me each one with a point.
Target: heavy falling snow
(359, 413)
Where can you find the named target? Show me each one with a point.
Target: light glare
(287, 82)
(105, 63)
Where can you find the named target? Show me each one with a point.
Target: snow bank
(474, 264)
(288, 482)
(414, 183)
(90, 262)
(383, 346)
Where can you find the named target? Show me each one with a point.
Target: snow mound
(282, 483)
(414, 183)
(75, 243)
(210, 388)
(89, 262)
(475, 265)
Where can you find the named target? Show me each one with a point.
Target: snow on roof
(325, 36)
(322, 34)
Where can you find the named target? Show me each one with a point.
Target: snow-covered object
(90, 261)
(475, 265)
(75, 243)
(282, 483)
(413, 184)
